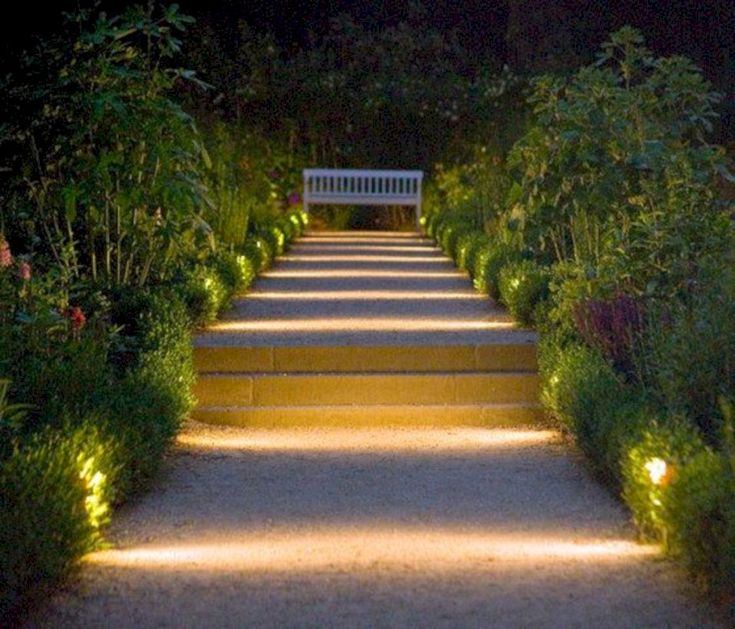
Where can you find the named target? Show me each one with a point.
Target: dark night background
(530, 35)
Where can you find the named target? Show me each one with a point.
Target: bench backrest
(363, 187)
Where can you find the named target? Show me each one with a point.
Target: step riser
(460, 358)
(314, 389)
(371, 416)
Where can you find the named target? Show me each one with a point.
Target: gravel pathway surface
(353, 288)
(375, 528)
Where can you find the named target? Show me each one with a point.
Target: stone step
(370, 415)
(212, 358)
(313, 389)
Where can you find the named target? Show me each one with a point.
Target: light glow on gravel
(357, 325)
(304, 247)
(426, 440)
(367, 549)
(365, 258)
(363, 295)
(350, 273)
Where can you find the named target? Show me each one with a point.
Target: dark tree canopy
(530, 35)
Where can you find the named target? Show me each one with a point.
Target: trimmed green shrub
(442, 223)
(229, 270)
(204, 293)
(274, 236)
(246, 270)
(165, 353)
(648, 468)
(299, 220)
(153, 392)
(489, 261)
(580, 388)
(302, 218)
(617, 429)
(259, 252)
(522, 286)
(699, 512)
(451, 235)
(431, 222)
(288, 229)
(55, 493)
(468, 247)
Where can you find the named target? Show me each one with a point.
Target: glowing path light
(369, 440)
(364, 295)
(364, 549)
(350, 324)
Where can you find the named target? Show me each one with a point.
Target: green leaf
(69, 194)
(514, 194)
(205, 157)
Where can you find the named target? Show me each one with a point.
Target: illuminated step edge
(344, 358)
(296, 389)
(483, 415)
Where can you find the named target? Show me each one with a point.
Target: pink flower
(24, 271)
(294, 198)
(6, 258)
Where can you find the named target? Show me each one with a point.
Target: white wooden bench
(363, 187)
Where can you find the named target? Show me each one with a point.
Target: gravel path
(387, 528)
(348, 288)
(429, 527)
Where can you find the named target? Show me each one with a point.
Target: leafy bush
(204, 293)
(476, 188)
(55, 370)
(235, 271)
(259, 252)
(615, 327)
(468, 247)
(699, 512)
(108, 180)
(616, 172)
(579, 389)
(300, 219)
(522, 286)
(450, 234)
(274, 236)
(689, 357)
(55, 493)
(489, 261)
(431, 223)
(165, 354)
(648, 468)
(154, 393)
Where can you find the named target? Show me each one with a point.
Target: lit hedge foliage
(648, 469)
(489, 261)
(259, 252)
(699, 511)
(522, 286)
(55, 493)
(468, 248)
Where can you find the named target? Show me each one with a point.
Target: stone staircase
(365, 329)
